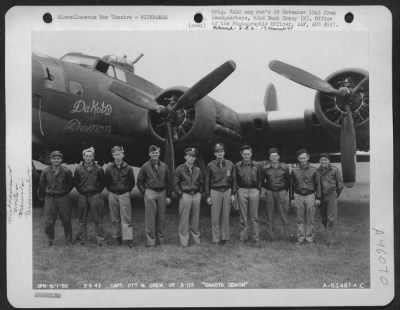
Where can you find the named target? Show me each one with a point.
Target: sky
(181, 58)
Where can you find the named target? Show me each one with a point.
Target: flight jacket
(89, 181)
(119, 180)
(186, 181)
(305, 181)
(55, 183)
(220, 177)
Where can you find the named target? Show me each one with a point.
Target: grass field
(276, 264)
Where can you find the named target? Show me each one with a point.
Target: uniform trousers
(220, 210)
(277, 201)
(154, 203)
(94, 203)
(305, 211)
(121, 215)
(54, 206)
(189, 213)
(329, 214)
(249, 199)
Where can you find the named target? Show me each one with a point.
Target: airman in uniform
(188, 185)
(248, 186)
(332, 186)
(55, 183)
(220, 180)
(153, 184)
(89, 182)
(305, 193)
(120, 180)
(276, 180)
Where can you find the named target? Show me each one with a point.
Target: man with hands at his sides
(219, 188)
(153, 184)
(188, 185)
(305, 195)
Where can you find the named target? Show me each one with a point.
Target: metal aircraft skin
(81, 100)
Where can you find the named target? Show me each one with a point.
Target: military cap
(326, 155)
(191, 151)
(301, 151)
(153, 148)
(245, 147)
(90, 149)
(56, 153)
(273, 150)
(219, 146)
(117, 149)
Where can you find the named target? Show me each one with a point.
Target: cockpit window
(110, 71)
(80, 60)
(120, 74)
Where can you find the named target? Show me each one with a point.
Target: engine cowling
(330, 110)
(196, 123)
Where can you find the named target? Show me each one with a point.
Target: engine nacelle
(330, 110)
(196, 123)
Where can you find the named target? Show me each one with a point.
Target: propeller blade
(348, 148)
(301, 77)
(135, 96)
(270, 98)
(205, 85)
(170, 156)
(355, 89)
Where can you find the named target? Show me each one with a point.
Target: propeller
(270, 98)
(348, 148)
(205, 85)
(169, 155)
(199, 90)
(135, 96)
(345, 95)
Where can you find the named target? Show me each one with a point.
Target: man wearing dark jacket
(248, 186)
(120, 180)
(332, 186)
(89, 182)
(153, 184)
(220, 180)
(188, 185)
(305, 191)
(55, 183)
(276, 180)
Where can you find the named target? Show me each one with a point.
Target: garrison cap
(326, 155)
(301, 151)
(273, 150)
(191, 151)
(56, 153)
(245, 147)
(218, 147)
(117, 149)
(90, 149)
(153, 148)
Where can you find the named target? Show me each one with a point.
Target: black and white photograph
(194, 162)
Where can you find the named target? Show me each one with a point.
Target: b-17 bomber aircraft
(81, 100)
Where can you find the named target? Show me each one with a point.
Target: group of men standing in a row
(224, 182)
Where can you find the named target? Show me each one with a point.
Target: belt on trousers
(304, 194)
(220, 189)
(191, 192)
(248, 187)
(158, 189)
(91, 193)
(56, 195)
(275, 190)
